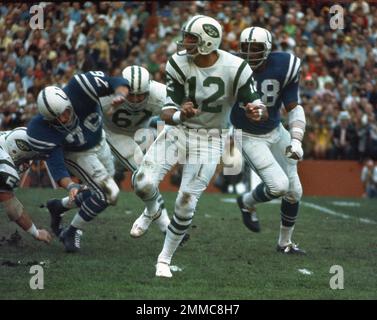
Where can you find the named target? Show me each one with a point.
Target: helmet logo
(211, 30)
(22, 145)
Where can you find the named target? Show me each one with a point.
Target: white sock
(285, 235)
(67, 204)
(78, 222)
(248, 200)
(171, 244)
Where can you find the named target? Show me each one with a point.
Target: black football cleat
(250, 219)
(56, 209)
(184, 240)
(71, 238)
(292, 248)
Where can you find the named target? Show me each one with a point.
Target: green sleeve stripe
(238, 75)
(177, 69)
(170, 76)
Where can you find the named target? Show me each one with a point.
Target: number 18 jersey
(277, 83)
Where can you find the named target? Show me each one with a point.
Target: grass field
(223, 260)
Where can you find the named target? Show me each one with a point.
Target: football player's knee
(82, 196)
(279, 187)
(111, 190)
(95, 203)
(294, 195)
(13, 208)
(143, 184)
(185, 204)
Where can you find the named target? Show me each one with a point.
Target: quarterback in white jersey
(203, 83)
(123, 123)
(271, 150)
(14, 151)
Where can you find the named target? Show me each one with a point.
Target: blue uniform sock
(288, 212)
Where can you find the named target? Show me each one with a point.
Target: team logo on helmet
(211, 30)
(22, 145)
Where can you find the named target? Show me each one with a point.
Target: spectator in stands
(339, 67)
(369, 179)
(344, 139)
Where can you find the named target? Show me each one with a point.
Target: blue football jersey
(277, 84)
(84, 91)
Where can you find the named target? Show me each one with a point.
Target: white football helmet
(207, 30)
(255, 45)
(15, 143)
(139, 80)
(52, 102)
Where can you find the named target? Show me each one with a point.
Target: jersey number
(93, 121)
(270, 89)
(99, 81)
(206, 107)
(11, 182)
(122, 120)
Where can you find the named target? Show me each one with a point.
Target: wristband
(33, 231)
(73, 185)
(176, 118)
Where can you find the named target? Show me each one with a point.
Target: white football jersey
(122, 120)
(213, 89)
(9, 177)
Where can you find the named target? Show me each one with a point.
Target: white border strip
(334, 213)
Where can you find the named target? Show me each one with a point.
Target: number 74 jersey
(124, 119)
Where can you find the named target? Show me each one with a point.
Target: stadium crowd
(338, 85)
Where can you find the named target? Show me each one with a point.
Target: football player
(203, 83)
(69, 130)
(144, 100)
(14, 152)
(270, 150)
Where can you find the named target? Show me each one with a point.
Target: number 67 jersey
(127, 120)
(121, 123)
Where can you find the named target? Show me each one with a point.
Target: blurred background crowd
(338, 85)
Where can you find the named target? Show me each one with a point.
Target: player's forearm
(168, 114)
(15, 212)
(297, 122)
(122, 90)
(24, 221)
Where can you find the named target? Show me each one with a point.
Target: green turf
(223, 260)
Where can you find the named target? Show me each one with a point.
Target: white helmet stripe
(47, 105)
